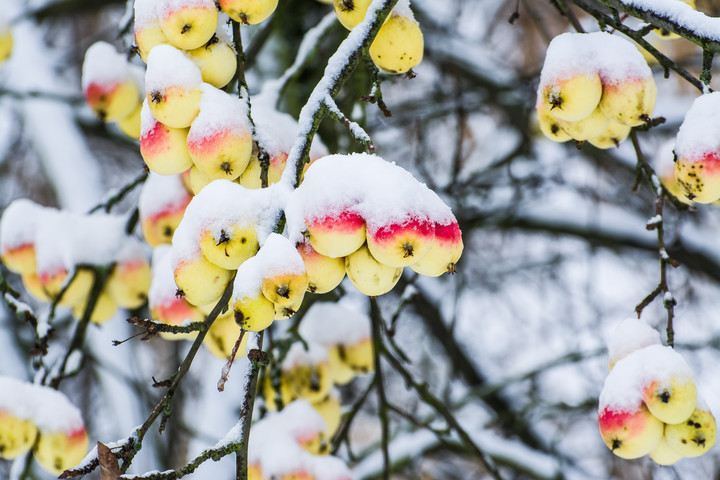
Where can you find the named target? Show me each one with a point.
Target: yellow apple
(58, 451)
(630, 434)
(398, 45)
(337, 235)
(694, 436)
(444, 253)
(52, 283)
(699, 177)
(105, 308)
(368, 275)
(664, 454)
(223, 335)
(324, 273)
(6, 44)
(254, 313)
(189, 25)
(340, 371)
(176, 311)
(32, 284)
(400, 244)
(17, 435)
(200, 281)
(350, 12)
(285, 288)
(629, 101)
(550, 126)
(20, 258)
(571, 98)
(331, 410)
(216, 61)
(129, 282)
(589, 127)
(615, 133)
(159, 228)
(229, 246)
(130, 125)
(283, 312)
(248, 12)
(673, 402)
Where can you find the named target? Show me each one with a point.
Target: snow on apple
(161, 206)
(697, 149)
(629, 335)
(187, 24)
(163, 148)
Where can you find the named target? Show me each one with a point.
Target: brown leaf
(109, 467)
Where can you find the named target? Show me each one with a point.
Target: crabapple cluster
(40, 418)
(372, 218)
(55, 252)
(293, 444)
(398, 45)
(649, 404)
(594, 87)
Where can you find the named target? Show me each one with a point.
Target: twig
(378, 351)
(120, 194)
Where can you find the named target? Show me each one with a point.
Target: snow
(162, 287)
(629, 335)
(681, 13)
(219, 112)
(19, 222)
(623, 388)
(167, 7)
(146, 13)
(162, 193)
(297, 356)
(169, 67)
(699, 133)
(49, 409)
(330, 324)
(381, 192)
(104, 66)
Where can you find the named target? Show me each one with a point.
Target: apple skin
(201, 281)
(341, 372)
(672, 403)
(175, 312)
(32, 285)
(129, 282)
(113, 101)
(254, 313)
(311, 383)
(159, 228)
(248, 12)
(550, 126)
(324, 273)
(190, 26)
(615, 133)
(224, 154)
(350, 12)
(368, 275)
(78, 290)
(175, 106)
(589, 127)
(130, 125)
(104, 310)
(444, 253)
(163, 148)
(337, 235)
(331, 410)
(360, 356)
(695, 436)
(222, 336)
(283, 312)
(148, 37)
(699, 178)
(398, 45)
(401, 244)
(58, 451)
(629, 101)
(6, 44)
(17, 436)
(664, 454)
(20, 259)
(216, 61)
(571, 98)
(285, 289)
(231, 246)
(630, 434)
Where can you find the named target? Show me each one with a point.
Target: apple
(368, 275)
(398, 45)
(176, 311)
(108, 84)
(337, 235)
(571, 97)
(615, 133)
(223, 335)
(285, 288)
(341, 372)
(248, 12)
(228, 247)
(129, 282)
(698, 175)
(350, 12)
(58, 451)
(52, 281)
(32, 285)
(671, 402)
(159, 228)
(6, 43)
(173, 85)
(549, 125)
(283, 312)
(359, 356)
(188, 24)
(199, 280)
(695, 435)
(105, 308)
(402, 243)
(630, 100)
(324, 273)
(254, 472)
(331, 410)
(220, 138)
(17, 435)
(163, 148)
(664, 454)
(589, 127)
(254, 313)
(630, 434)
(130, 125)
(148, 28)
(216, 61)
(20, 258)
(444, 253)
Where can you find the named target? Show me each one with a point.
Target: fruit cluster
(304, 374)
(398, 45)
(697, 151)
(299, 437)
(55, 252)
(593, 87)
(649, 404)
(112, 87)
(360, 215)
(34, 415)
(161, 206)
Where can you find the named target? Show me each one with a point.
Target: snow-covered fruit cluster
(55, 252)
(649, 404)
(112, 87)
(339, 347)
(292, 444)
(594, 87)
(398, 45)
(360, 215)
(697, 151)
(43, 418)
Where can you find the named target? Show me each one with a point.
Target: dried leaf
(109, 467)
